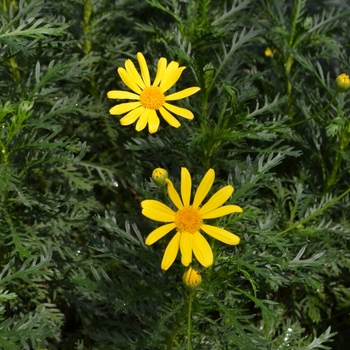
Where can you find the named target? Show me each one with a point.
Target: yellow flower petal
(169, 118)
(124, 107)
(217, 199)
(122, 94)
(132, 116)
(186, 186)
(144, 69)
(185, 113)
(202, 250)
(221, 234)
(153, 204)
(158, 233)
(222, 211)
(130, 68)
(171, 79)
(157, 211)
(160, 71)
(186, 247)
(153, 122)
(169, 71)
(174, 196)
(143, 120)
(128, 80)
(171, 252)
(182, 94)
(204, 188)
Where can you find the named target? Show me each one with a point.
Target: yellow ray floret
(187, 220)
(150, 98)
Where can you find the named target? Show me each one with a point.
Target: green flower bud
(192, 278)
(160, 176)
(342, 83)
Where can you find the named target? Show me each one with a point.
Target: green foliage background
(75, 272)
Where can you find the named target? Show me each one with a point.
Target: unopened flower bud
(159, 177)
(269, 52)
(342, 83)
(192, 278)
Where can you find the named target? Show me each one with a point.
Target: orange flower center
(152, 97)
(188, 220)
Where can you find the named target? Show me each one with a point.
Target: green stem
(13, 67)
(189, 319)
(4, 160)
(337, 162)
(165, 195)
(179, 323)
(318, 113)
(317, 212)
(288, 66)
(4, 153)
(86, 26)
(343, 142)
(204, 112)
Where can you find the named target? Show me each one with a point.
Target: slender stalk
(86, 26)
(165, 195)
(318, 113)
(317, 212)
(179, 323)
(3, 155)
(204, 112)
(13, 67)
(189, 319)
(288, 66)
(343, 142)
(4, 160)
(337, 162)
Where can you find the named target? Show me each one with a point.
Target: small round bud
(159, 177)
(192, 278)
(269, 52)
(342, 83)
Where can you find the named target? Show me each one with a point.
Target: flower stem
(189, 319)
(4, 160)
(179, 323)
(343, 142)
(165, 195)
(318, 113)
(317, 212)
(333, 176)
(288, 67)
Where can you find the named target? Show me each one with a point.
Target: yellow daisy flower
(188, 220)
(150, 98)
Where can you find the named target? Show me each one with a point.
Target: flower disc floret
(150, 99)
(188, 220)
